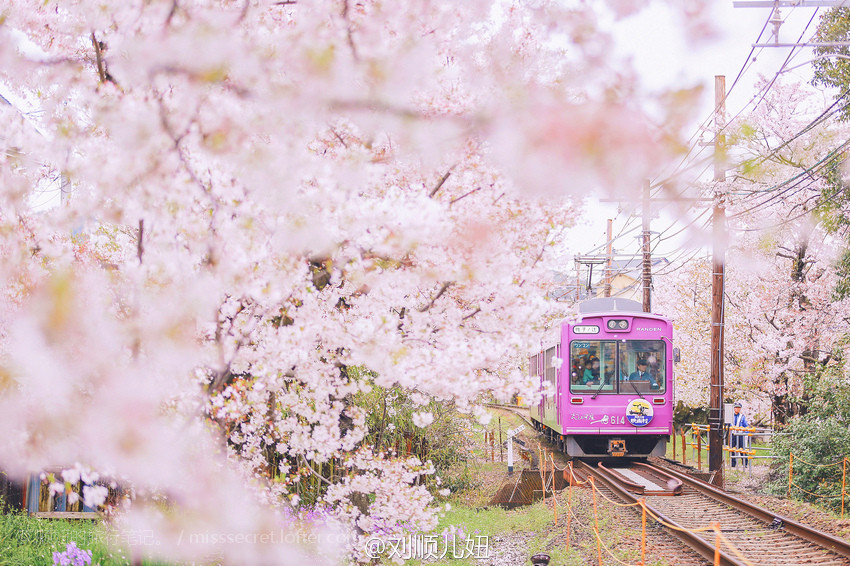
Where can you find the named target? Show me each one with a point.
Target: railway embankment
(565, 526)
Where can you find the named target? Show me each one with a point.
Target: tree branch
(442, 290)
(454, 200)
(349, 35)
(441, 182)
(171, 12)
(315, 473)
(98, 53)
(476, 311)
(339, 137)
(140, 246)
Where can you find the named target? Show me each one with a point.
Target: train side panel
(548, 411)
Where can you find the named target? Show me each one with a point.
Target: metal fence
(754, 445)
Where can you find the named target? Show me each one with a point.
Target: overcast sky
(665, 58)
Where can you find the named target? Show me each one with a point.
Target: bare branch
(140, 245)
(441, 182)
(315, 473)
(98, 53)
(348, 31)
(770, 321)
(454, 200)
(171, 12)
(339, 137)
(442, 290)
(476, 311)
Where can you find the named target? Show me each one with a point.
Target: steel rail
(691, 540)
(809, 534)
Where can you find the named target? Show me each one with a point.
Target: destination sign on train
(586, 329)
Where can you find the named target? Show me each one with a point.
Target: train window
(642, 366)
(593, 366)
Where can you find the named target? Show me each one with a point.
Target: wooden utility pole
(715, 412)
(647, 257)
(578, 281)
(609, 258)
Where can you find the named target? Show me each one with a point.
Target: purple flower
(72, 556)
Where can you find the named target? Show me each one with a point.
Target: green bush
(819, 444)
(389, 418)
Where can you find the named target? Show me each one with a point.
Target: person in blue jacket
(738, 438)
(642, 374)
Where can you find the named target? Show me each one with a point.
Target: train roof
(613, 305)
(609, 304)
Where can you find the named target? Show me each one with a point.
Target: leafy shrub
(818, 444)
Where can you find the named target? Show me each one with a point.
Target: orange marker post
(699, 450)
(643, 532)
(790, 473)
(542, 466)
(716, 543)
(596, 521)
(554, 499)
(569, 502)
(674, 443)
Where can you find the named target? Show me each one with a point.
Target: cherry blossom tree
(269, 207)
(782, 317)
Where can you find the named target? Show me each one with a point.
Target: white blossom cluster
(271, 207)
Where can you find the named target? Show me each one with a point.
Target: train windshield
(642, 366)
(608, 366)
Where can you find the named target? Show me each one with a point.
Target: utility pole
(578, 281)
(647, 257)
(610, 258)
(715, 412)
(776, 18)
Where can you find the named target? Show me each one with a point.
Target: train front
(616, 386)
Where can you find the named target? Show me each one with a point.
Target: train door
(558, 386)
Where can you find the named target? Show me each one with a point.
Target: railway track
(756, 535)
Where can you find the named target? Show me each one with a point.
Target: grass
(27, 541)
(490, 523)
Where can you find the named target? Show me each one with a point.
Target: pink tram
(613, 391)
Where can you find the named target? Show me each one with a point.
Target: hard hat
(738, 404)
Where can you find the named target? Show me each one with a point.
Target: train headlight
(618, 324)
